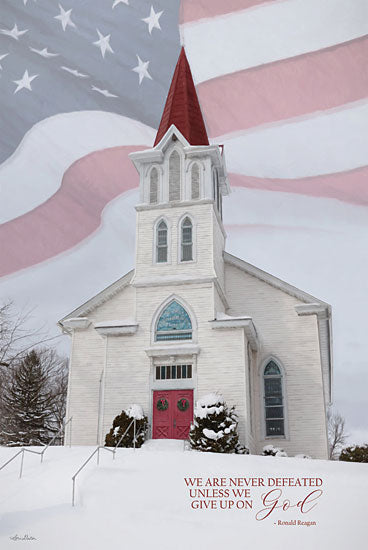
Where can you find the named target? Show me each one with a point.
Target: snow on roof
(220, 316)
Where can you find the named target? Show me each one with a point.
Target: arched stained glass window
(186, 240)
(195, 181)
(274, 400)
(161, 242)
(174, 323)
(153, 186)
(174, 176)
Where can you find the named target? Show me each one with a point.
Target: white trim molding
(245, 323)
(73, 323)
(322, 311)
(116, 328)
(173, 350)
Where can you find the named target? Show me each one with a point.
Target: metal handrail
(41, 453)
(124, 434)
(97, 450)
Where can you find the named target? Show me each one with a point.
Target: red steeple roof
(182, 107)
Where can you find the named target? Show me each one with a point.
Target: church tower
(180, 234)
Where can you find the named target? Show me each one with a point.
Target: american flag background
(282, 84)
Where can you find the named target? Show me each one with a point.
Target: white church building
(191, 319)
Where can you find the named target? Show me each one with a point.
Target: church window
(174, 176)
(195, 181)
(217, 192)
(174, 323)
(173, 372)
(274, 401)
(153, 186)
(186, 240)
(161, 242)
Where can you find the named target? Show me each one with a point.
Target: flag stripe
(286, 89)
(327, 142)
(250, 38)
(192, 10)
(345, 186)
(70, 215)
(63, 139)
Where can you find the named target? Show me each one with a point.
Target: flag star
(142, 70)
(152, 20)
(24, 82)
(43, 53)
(14, 32)
(106, 93)
(103, 43)
(2, 57)
(74, 72)
(116, 2)
(64, 17)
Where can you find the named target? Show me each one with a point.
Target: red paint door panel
(172, 414)
(183, 413)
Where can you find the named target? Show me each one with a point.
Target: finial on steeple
(182, 106)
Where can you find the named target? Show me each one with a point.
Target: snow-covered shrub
(302, 456)
(270, 450)
(355, 453)
(241, 449)
(120, 425)
(215, 426)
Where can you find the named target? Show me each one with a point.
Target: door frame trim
(178, 384)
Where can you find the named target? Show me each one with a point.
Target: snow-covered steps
(164, 445)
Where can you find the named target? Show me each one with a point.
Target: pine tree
(215, 426)
(355, 453)
(28, 401)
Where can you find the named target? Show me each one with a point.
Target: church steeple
(182, 107)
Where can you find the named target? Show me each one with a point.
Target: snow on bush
(135, 411)
(355, 453)
(270, 450)
(215, 426)
(120, 426)
(302, 456)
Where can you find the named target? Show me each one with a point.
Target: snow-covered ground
(140, 500)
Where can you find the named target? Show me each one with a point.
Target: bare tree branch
(336, 434)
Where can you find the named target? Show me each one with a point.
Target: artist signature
(24, 537)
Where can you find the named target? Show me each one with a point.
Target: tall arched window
(274, 400)
(174, 176)
(186, 240)
(217, 192)
(161, 242)
(174, 323)
(153, 186)
(195, 181)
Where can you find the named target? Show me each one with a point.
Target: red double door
(172, 414)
